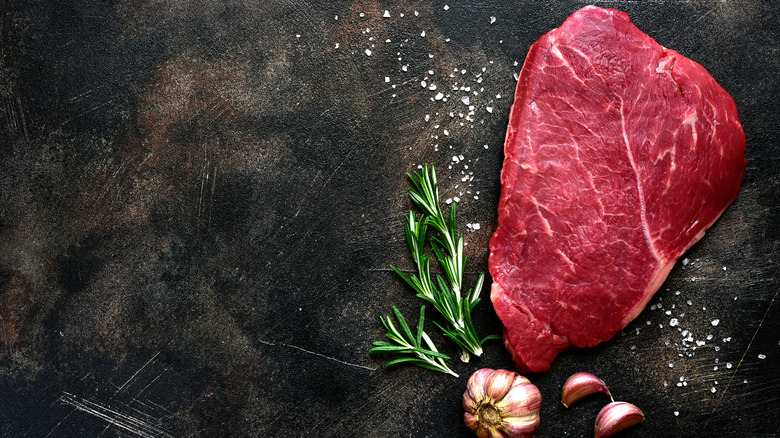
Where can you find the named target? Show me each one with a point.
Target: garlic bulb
(616, 417)
(501, 404)
(581, 385)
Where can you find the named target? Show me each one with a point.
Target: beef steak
(619, 154)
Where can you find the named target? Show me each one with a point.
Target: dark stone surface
(201, 200)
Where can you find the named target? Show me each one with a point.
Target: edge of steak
(619, 154)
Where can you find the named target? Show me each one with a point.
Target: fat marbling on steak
(619, 154)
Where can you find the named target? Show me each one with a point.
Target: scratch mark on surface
(115, 418)
(136, 373)
(685, 31)
(742, 359)
(58, 424)
(282, 344)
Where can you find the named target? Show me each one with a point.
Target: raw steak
(619, 154)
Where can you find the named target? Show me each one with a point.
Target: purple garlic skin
(581, 385)
(616, 417)
(501, 404)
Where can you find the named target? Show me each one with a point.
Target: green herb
(410, 347)
(447, 246)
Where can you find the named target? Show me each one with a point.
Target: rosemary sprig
(410, 347)
(447, 246)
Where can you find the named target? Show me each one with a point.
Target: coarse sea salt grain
(762, 356)
(387, 14)
(369, 52)
(715, 322)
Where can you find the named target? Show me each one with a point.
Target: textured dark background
(201, 200)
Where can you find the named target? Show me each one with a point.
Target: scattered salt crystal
(368, 52)
(715, 368)
(671, 365)
(713, 389)
(465, 100)
(489, 109)
(439, 96)
(762, 356)
(297, 35)
(423, 84)
(405, 67)
(498, 96)
(447, 40)
(336, 46)
(728, 365)
(448, 201)
(432, 87)
(362, 14)
(715, 322)
(427, 117)
(709, 337)
(446, 7)
(674, 322)
(686, 261)
(724, 268)
(676, 413)
(422, 34)
(456, 199)
(387, 78)
(446, 132)
(486, 146)
(416, 13)
(387, 13)
(492, 20)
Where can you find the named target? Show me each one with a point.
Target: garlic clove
(581, 385)
(524, 426)
(616, 417)
(522, 398)
(498, 384)
(475, 388)
(471, 420)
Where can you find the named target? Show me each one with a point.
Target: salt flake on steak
(619, 154)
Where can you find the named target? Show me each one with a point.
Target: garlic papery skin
(616, 417)
(501, 404)
(581, 385)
